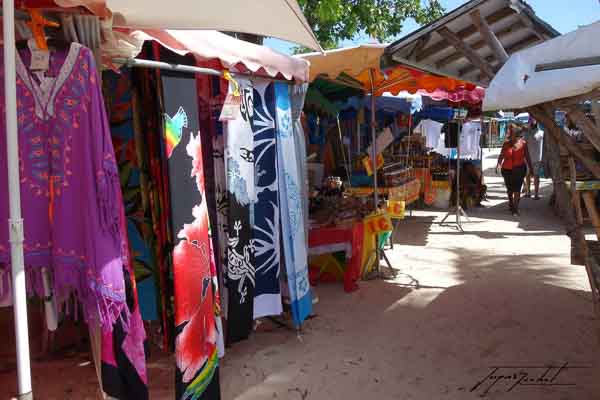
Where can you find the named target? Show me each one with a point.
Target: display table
(322, 240)
(408, 192)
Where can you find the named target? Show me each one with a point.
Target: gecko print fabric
(292, 212)
(267, 294)
(239, 163)
(196, 333)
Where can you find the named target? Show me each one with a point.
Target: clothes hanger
(37, 24)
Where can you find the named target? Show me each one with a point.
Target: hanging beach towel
(239, 162)
(267, 296)
(196, 350)
(291, 208)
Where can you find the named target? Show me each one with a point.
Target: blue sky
(563, 15)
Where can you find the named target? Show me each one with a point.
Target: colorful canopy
(387, 104)
(231, 52)
(474, 96)
(359, 67)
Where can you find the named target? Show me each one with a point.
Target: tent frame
(190, 69)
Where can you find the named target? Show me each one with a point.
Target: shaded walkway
(502, 293)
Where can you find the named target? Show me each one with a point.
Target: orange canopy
(359, 67)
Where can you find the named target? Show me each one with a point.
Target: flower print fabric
(195, 296)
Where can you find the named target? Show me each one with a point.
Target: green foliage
(337, 20)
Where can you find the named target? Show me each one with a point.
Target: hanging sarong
(196, 338)
(267, 296)
(239, 161)
(131, 154)
(291, 208)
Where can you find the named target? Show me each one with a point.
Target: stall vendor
(473, 189)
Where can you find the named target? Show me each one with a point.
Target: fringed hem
(100, 307)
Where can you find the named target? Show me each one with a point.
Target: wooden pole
(590, 205)
(468, 52)
(545, 114)
(575, 196)
(374, 166)
(562, 194)
(488, 35)
(590, 129)
(574, 63)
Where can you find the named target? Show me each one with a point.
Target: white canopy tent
(275, 18)
(282, 19)
(566, 66)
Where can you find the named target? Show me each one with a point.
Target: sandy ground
(500, 294)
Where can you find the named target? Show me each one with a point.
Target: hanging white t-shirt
(441, 147)
(535, 144)
(431, 130)
(470, 137)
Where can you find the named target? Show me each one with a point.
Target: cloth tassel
(69, 291)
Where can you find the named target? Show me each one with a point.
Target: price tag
(379, 223)
(40, 60)
(395, 208)
(231, 107)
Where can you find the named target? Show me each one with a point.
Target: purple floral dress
(70, 192)
(72, 206)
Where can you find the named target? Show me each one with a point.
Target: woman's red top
(513, 158)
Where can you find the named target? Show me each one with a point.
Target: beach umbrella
(282, 19)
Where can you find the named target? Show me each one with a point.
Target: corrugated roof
(513, 22)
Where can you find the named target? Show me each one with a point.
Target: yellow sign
(369, 165)
(395, 208)
(408, 192)
(378, 223)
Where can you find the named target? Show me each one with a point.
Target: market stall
(383, 163)
(240, 156)
(144, 199)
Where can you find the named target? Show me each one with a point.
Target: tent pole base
(458, 212)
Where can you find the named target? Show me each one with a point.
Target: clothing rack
(189, 69)
(457, 210)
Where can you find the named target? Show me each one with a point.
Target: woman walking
(514, 160)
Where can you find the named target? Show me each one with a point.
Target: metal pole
(189, 69)
(15, 223)
(346, 163)
(409, 162)
(458, 205)
(374, 163)
(139, 63)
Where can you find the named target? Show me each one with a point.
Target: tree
(337, 20)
